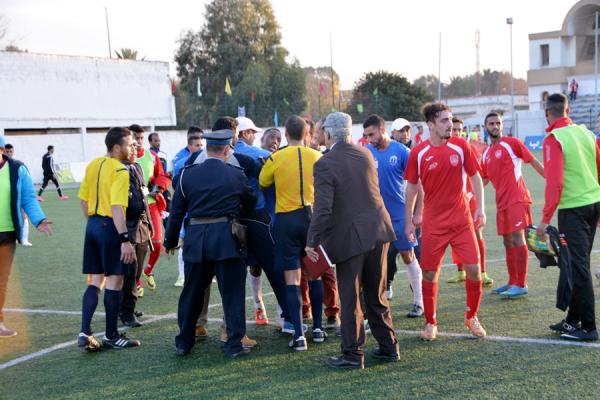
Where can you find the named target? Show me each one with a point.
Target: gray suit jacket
(349, 216)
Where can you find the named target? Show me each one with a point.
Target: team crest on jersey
(498, 154)
(454, 160)
(393, 160)
(433, 165)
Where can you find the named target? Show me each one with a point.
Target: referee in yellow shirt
(104, 195)
(291, 171)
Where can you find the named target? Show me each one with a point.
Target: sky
(396, 36)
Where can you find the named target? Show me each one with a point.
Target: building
(558, 57)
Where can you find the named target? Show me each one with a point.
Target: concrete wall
(556, 52)
(40, 91)
(535, 94)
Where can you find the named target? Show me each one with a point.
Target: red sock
(153, 258)
(481, 244)
(521, 257)
(474, 290)
(511, 265)
(430, 291)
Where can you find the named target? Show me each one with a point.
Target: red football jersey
(501, 164)
(443, 172)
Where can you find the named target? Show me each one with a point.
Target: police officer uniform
(214, 195)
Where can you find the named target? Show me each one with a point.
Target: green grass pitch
(47, 277)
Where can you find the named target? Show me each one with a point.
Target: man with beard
(501, 165)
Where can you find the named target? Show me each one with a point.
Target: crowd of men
(237, 210)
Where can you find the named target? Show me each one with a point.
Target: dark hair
(490, 115)
(311, 127)
(50, 147)
(295, 127)
(456, 120)
(191, 138)
(556, 104)
(136, 128)
(269, 132)
(115, 136)
(194, 129)
(431, 111)
(151, 135)
(9, 146)
(373, 120)
(225, 123)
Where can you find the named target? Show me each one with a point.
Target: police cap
(219, 138)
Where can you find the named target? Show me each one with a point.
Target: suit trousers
(231, 279)
(129, 282)
(8, 245)
(369, 271)
(579, 227)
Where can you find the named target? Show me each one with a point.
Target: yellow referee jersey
(291, 170)
(106, 184)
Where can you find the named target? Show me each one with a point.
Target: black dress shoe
(132, 323)
(341, 362)
(384, 356)
(244, 351)
(181, 351)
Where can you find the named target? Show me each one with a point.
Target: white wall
(535, 53)
(41, 91)
(535, 94)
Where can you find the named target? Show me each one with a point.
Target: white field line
(27, 357)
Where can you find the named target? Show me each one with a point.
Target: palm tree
(127, 54)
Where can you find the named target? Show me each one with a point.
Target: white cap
(399, 124)
(246, 123)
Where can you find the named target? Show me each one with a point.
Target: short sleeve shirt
(105, 184)
(501, 164)
(443, 172)
(391, 164)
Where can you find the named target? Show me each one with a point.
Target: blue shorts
(401, 243)
(290, 232)
(102, 248)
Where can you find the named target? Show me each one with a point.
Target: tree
(429, 83)
(318, 84)
(127, 54)
(388, 94)
(236, 34)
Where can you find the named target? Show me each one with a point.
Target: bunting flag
(321, 88)
(286, 102)
(198, 88)
(253, 96)
(276, 119)
(376, 92)
(241, 111)
(359, 108)
(227, 87)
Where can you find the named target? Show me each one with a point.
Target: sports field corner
(521, 358)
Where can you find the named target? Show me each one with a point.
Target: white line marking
(27, 357)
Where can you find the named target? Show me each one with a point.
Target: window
(545, 51)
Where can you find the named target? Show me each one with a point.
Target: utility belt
(238, 230)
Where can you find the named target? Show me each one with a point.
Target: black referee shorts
(102, 247)
(290, 231)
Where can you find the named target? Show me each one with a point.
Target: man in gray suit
(351, 223)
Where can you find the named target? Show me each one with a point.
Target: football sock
(481, 244)
(153, 258)
(180, 263)
(521, 259)
(316, 302)
(430, 291)
(415, 276)
(88, 307)
(59, 192)
(510, 265)
(255, 283)
(474, 291)
(111, 306)
(292, 296)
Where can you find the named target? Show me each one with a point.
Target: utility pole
(509, 21)
(108, 32)
(440, 70)
(331, 65)
(477, 65)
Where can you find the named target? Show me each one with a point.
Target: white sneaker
(26, 243)
(389, 293)
(179, 282)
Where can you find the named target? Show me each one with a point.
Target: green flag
(359, 108)
(376, 92)
(286, 102)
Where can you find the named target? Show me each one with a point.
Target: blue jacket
(22, 196)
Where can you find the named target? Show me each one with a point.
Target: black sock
(40, 192)
(59, 192)
(88, 307)
(111, 305)
(316, 302)
(294, 303)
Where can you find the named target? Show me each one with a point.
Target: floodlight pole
(108, 32)
(509, 21)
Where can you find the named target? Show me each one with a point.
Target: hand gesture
(45, 227)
